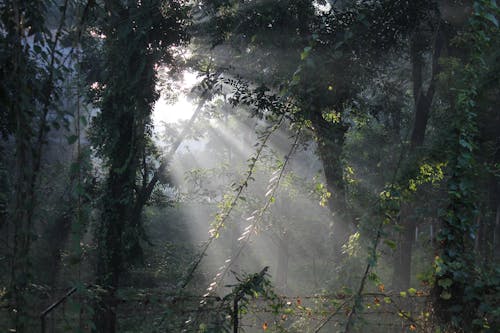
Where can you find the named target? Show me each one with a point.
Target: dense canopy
(249, 165)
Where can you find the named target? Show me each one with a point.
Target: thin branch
(225, 215)
(49, 88)
(321, 325)
(271, 194)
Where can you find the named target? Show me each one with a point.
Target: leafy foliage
(365, 191)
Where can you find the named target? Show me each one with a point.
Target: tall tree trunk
(401, 277)
(122, 120)
(23, 200)
(422, 102)
(125, 114)
(116, 212)
(20, 273)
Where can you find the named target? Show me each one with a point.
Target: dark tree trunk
(117, 212)
(401, 277)
(422, 102)
(57, 234)
(486, 226)
(330, 139)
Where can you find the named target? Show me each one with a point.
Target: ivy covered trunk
(117, 200)
(120, 129)
(461, 285)
(456, 237)
(330, 138)
(127, 93)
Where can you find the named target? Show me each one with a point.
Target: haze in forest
(249, 166)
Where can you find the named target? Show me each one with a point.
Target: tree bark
(422, 102)
(401, 277)
(115, 215)
(124, 113)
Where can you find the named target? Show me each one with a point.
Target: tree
(461, 305)
(32, 74)
(136, 37)
(333, 54)
(406, 165)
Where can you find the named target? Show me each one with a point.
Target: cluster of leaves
(460, 303)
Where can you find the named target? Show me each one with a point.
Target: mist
(286, 166)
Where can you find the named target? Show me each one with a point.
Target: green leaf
(305, 53)
(490, 17)
(390, 243)
(445, 295)
(83, 121)
(445, 283)
(337, 54)
(295, 80)
(72, 139)
(373, 277)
